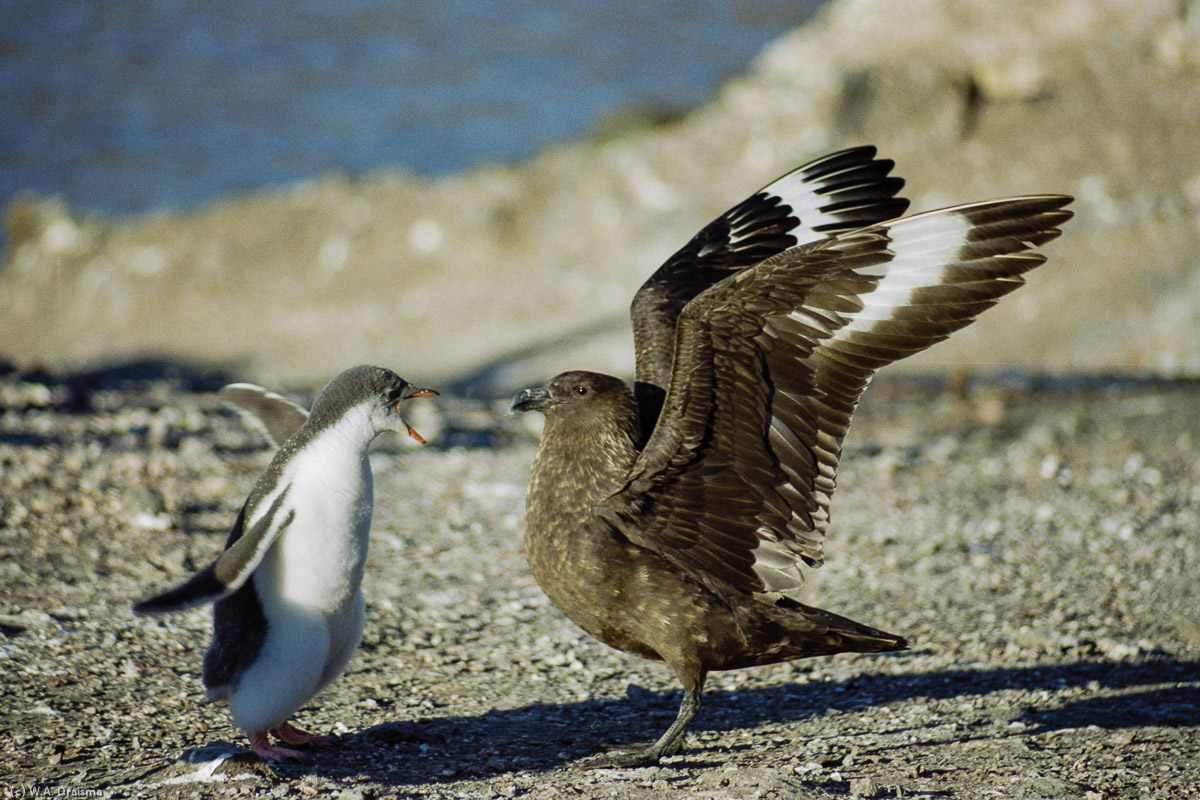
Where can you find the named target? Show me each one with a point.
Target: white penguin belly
(317, 562)
(309, 585)
(285, 675)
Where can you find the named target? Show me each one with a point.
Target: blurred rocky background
(496, 275)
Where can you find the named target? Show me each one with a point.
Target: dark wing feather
(842, 191)
(735, 483)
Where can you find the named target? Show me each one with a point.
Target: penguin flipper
(277, 417)
(203, 587)
(244, 551)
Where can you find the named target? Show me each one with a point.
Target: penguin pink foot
(298, 736)
(261, 745)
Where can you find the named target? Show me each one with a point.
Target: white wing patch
(801, 193)
(810, 192)
(923, 247)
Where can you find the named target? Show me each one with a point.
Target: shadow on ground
(543, 737)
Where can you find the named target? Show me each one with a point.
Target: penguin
(288, 604)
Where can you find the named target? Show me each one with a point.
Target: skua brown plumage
(673, 521)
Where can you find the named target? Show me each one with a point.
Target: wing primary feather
(770, 363)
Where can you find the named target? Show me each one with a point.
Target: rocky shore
(505, 272)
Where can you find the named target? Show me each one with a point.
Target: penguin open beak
(414, 391)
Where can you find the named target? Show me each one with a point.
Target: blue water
(128, 106)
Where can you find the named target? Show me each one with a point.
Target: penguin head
(380, 390)
(392, 392)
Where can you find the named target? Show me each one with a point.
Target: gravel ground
(1035, 540)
